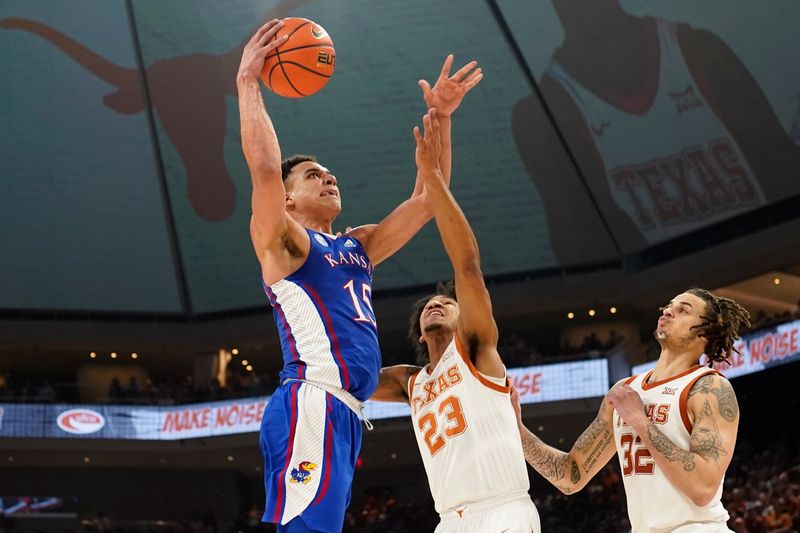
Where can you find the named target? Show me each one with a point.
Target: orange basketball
(303, 64)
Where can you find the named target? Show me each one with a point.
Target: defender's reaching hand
(448, 91)
(429, 147)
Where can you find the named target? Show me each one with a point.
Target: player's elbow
(469, 267)
(569, 490)
(703, 495)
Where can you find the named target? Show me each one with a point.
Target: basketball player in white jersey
(465, 429)
(669, 131)
(673, 428)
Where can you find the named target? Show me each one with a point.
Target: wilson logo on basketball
(80, 421)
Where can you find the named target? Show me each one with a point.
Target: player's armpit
(393, 383)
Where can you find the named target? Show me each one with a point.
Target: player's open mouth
(435, 312)
(330, 193)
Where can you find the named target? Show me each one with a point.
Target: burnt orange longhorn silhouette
(187, 94)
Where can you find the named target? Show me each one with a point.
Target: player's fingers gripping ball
(303, 64)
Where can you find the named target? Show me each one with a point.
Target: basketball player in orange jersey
(465, 430)
(669, 129)
(320, 286)
(673, 428)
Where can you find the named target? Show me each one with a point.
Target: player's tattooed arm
(569, 472)
(697, 472)
(548, 461)
(668, 450)
(393, 383)
(722, 390)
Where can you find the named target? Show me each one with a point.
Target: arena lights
(113, 355)
(245, 362)
(235, 351)
(613, 310)
(776, 281)
(570, 315)
(230, 458)
(592, 312)
(87, 460)
(92, 354)
(249, 368)
(134, 355)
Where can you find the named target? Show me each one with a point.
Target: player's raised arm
(382, 240)
(696, 472)
(476, 330)
(393, 383)
(260, 142)
(570, 472)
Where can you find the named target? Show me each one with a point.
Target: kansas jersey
(654, 504)
(325, 320)
(671, 164)
(466, 431)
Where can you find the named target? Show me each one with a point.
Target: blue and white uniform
(310, 433)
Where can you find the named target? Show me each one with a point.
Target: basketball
(303, 64)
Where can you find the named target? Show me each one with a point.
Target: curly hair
(720, 325)
(414, 331)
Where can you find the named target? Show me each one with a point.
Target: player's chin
(433, 324)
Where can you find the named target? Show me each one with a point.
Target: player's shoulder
(708, 383)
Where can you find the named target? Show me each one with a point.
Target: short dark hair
(414, 332)
(720, 325)
(289, 163)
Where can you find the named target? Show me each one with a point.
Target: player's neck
(581, 21)
(314, 223)
(673, 362)
(437, 344)
(585, 51)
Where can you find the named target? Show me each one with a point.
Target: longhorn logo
(187, 94)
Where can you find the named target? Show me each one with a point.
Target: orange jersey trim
(630, 379)
(410, 385)
(648, 386)
(494, 386)
(684, 398)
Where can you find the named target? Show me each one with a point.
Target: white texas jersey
(467, 432)
(671, 164)
(654, 504)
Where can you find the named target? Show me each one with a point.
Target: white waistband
(340, 394)
(480, 507)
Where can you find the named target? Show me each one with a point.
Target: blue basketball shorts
(310, 441)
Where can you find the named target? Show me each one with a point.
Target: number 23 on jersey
(454, 424)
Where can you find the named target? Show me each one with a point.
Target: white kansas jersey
(467, 432)
(671, 163)
(654, 504)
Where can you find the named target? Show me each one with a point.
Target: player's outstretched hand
(429, 147)
(261, 43)
(448, 91)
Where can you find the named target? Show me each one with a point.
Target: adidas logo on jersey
(349, 243)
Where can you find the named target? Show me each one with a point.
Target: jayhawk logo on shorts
(302, 474)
